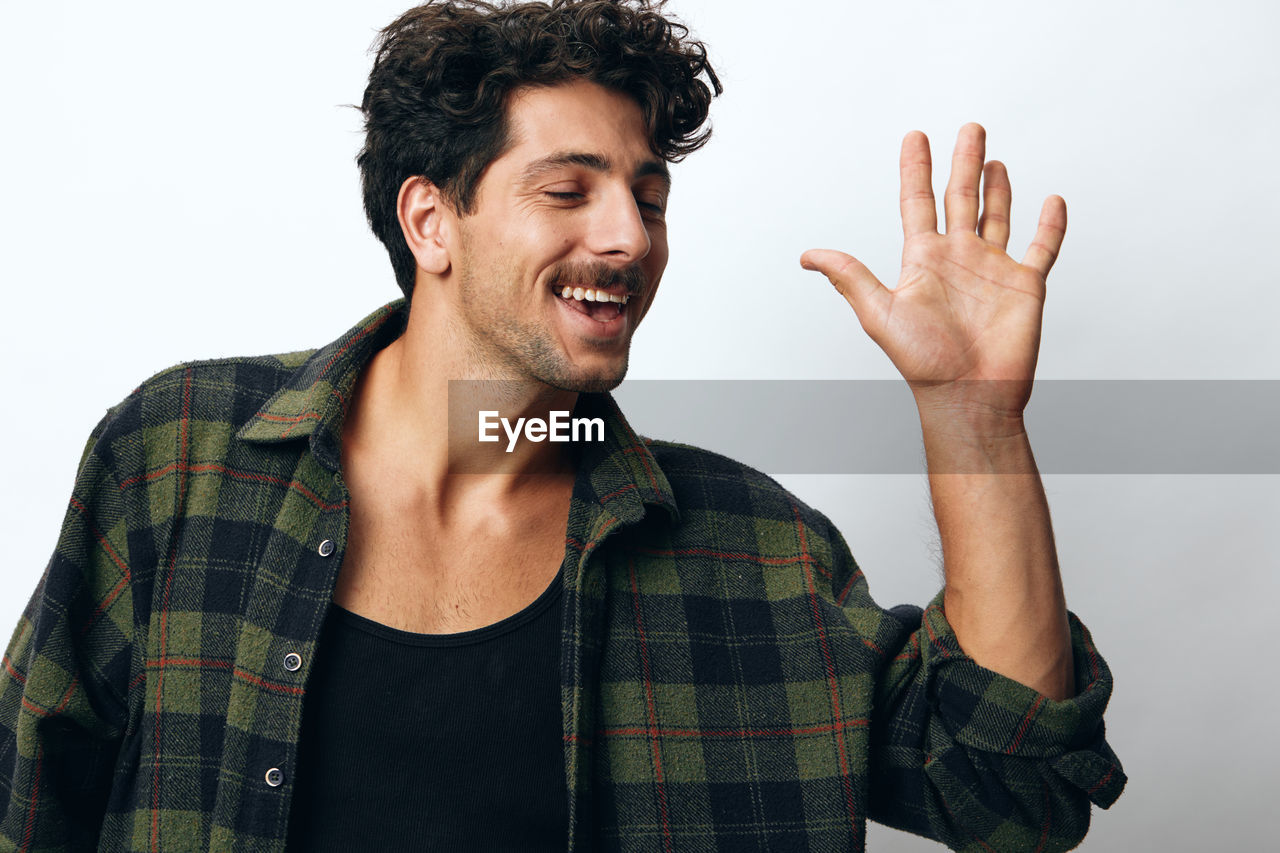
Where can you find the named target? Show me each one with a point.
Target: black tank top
(433, 741)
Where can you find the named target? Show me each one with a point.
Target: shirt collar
(311, 404)
(620, 473)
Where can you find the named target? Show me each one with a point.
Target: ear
(426, 222)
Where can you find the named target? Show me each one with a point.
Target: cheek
(655, 279)
(656, 260)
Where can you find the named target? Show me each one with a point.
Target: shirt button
(293, 662)
(326, 548)
(275, 777)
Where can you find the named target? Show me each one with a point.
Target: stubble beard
(503, 347)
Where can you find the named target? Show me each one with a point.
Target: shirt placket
(281, 629)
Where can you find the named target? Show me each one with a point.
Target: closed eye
(652, 211)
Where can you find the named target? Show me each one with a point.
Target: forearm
(1004, 594)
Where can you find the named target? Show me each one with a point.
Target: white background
(178, 183)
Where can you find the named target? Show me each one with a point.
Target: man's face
(574, 208)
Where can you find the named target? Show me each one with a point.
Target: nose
(618, 230)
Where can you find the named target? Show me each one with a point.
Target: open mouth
(599, 305)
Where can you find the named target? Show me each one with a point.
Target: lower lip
(589, 327)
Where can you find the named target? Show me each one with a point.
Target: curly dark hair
(435, 106)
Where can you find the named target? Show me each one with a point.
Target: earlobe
(423, 215)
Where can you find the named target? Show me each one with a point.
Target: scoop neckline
(461, 638)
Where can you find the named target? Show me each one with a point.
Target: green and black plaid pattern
(727, 681)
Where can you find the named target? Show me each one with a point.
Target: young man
(298, 602)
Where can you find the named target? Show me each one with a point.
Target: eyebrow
(594, 162)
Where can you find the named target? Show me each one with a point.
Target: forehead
(575, 116)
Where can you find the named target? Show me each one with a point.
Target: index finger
(919, 210)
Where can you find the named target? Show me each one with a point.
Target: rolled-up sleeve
(979, 761)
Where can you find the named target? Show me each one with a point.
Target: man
(298, 601)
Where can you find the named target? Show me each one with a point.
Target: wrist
(981, 401)
(971, 422)
(975, 441)
(973, 411)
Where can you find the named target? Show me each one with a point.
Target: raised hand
(964, 310)
(963, 327)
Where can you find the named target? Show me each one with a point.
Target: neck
(419, 403)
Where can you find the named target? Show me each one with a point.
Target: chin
(587, 382)
(589, 370)
(596, 386)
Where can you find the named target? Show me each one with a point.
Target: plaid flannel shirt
(727, 681)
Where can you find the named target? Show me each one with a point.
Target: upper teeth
(590, 295)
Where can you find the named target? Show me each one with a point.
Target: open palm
(963, 324)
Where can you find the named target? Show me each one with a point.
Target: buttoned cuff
(989, 712)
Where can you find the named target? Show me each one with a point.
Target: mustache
(597, 276)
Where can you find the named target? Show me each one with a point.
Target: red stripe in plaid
(653, 714)
(367, 329)
(761, 733)
(637, 448)
(106, 603)
(1048, 816)
(56, 709)
(209, 467)
(196, 663)
(629, 487)
(262, 682)
(1024, 725)
(308, 415)
(912, 651)
(933, 638)
(115, 558)
(102, 540)
(849, 586)
(758, 559)
(841, 749)
(290, 419)
(30, 825)
(1102, 783)
(17, 676)
(184, 450)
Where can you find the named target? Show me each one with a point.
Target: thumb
(862, 290)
